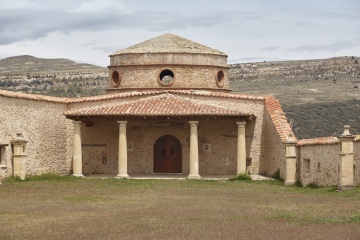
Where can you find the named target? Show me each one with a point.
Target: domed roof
(169, 43)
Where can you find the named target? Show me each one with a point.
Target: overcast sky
(252, 30)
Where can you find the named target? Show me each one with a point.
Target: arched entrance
(167, 155)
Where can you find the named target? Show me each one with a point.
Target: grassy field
(70, 208)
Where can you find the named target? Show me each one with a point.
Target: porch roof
(160, 105)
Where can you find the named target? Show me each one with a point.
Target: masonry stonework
(47, 131)
(357, 161)
(148, 108)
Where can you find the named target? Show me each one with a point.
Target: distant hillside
(297, 82)
(30, 64)
(318, 96)
(55, 77)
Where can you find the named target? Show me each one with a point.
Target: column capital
(241, 124)
(193, 122)
(122, 122)
(77, 123)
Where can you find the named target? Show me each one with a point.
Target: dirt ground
(175, 209)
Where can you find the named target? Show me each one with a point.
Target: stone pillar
(122, 156)
(19, 154)
(77, 154)
(347, 158)
(290, 161)
(241, 148)
(194, 151)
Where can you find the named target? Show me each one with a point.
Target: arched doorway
(167, 155)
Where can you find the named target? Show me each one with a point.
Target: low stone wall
(357, 161)
(43, 125)
(319, 163)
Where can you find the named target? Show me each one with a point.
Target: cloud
(101, 5)
(270, 49)
(330, 47)
(18, 4)
(32, 23)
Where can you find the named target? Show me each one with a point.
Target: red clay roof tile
(318, 141)
(35, 97)
(278, 118)
(161, 105)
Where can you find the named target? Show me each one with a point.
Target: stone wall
(48, 132)
(184, 77)
(273, 149)
(168, 58)
(319, 164)
(190, 70)
(357, 162)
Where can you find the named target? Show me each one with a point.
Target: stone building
(168, 110)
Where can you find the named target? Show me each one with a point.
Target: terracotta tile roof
(279, 119)
(157, 92)
(318, 141)
(35, 97)
(125, 95)
(160, 105)
(169, 43)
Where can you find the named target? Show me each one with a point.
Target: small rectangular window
(318, 167)
(2, 155)
(306, 162)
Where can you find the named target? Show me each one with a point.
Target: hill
(56, 77)
(298, 82)
(318, 96)
(30, 64)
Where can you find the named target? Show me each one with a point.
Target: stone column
(241, 148)
(77, 154)
(194, 151)
(19, 154)
(122, 156)
(347, 158)
(290, 161)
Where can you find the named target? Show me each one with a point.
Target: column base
(289, 183)
(194, 176)
(122, 176)
(78, 175)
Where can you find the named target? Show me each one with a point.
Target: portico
(195, 160)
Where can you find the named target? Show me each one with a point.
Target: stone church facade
(168, 110)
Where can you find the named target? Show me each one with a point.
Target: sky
(88, 31)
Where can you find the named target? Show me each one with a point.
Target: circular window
(115, 78)
(166, 77)
(220, 77)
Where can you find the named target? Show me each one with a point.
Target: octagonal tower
(168, 62)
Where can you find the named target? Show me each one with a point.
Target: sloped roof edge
(160, 105)
(278, 118)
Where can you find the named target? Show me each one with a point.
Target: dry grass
(71, 208)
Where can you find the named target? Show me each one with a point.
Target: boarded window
(318, 167)
(2, 155)
(306, 163)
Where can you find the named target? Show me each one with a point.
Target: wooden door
(167, 155)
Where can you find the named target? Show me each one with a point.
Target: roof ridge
(36, 97)
(318, 141)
